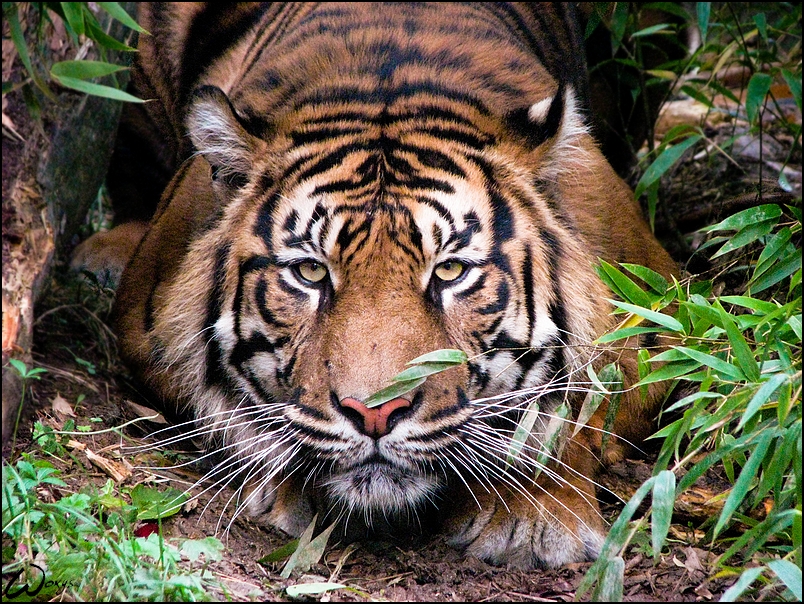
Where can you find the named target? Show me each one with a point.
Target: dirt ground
(78, 351)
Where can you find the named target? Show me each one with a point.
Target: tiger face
(356, 197)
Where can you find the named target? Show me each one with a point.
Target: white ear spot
(538, 111)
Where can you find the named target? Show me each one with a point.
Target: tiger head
(339, 249)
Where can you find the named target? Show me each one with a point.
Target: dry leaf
(61, 408)
(116, 471)
(145, 412)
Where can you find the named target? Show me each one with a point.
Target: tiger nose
(375, 420)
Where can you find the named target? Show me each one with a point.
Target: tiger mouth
(378, 484)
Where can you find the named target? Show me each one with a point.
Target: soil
(73, 343)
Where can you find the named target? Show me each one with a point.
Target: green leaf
(97, 90)
(610, 587)
(774, 248)
(549, 440)
(152, 503)
(311, 589)
(719, 365)
(760, 306)
(653, 279)
(446, 355)
(105, 40)
(703, 10)
(758, 88)
(761, 397)
(781, 271)
(83, 70)
(116, 11)
(790, 574)
(302, 542)
(622, 285)
(12, 17)
(309, 551)
(420, 371)
(523, 431)
(614, 540)
(741, 487)
(210, 547)
(762, 26)
(740, 220)
(663, 163)
(618, 23)
(650, 30)
(739, 347)
(280, 553)
(669, 371)
(746, 235)
(748, 576)
(657, 317)
(794, 82)
(626, 332)
(391, 392)
(664, 496)
(74, 16)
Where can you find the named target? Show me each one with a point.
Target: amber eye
(450, 270)
(310, 271)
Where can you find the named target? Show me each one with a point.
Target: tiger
(356, 185)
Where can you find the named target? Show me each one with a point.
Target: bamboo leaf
(703, 9)
(523, 431)
(74, 16)
(741, 487)
(719, 365)
(748, 576)
(746, 235)
(622, 285)
(761, 397)
(758, 88)
(657, 317)
(664, 162)
(626, 332)
(83, 70)
(669, 371)
(447, 355)
(119, 13)
(739, 347)
(610, 587)
(664, 497)
(393, 391)
(653, 279)
(420, 371)
(790, 574)
(97, 89)
(740, 220)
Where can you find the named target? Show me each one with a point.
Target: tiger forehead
(421, 228)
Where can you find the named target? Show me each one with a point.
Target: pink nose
(375, 420)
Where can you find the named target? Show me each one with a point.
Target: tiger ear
(221, 136)
(551, 118)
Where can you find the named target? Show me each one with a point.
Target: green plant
(744, 355)
(26, 375)
(81, 24)
(84, 545)
(741, 353)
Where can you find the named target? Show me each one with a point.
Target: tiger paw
(106, 254)
(544, 530)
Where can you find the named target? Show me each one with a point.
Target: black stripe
(214, 372)
(527, 281)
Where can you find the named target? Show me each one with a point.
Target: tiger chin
(355, 186)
